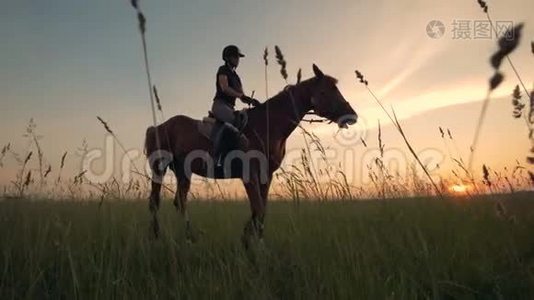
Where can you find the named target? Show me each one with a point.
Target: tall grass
(407, 249)
(507, 44)
(393, 118)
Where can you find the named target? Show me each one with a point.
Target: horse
(177, 144)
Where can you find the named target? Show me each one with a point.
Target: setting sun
(459, 188)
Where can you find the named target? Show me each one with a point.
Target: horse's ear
(317, 71)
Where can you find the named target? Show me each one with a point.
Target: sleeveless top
(234, 82)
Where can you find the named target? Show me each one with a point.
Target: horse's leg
(157, 180)
(180, 202)
(264, 190)
(254, 227)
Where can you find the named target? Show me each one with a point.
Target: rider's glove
(255, 102)
(250, 101)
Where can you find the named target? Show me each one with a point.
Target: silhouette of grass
(507, 44)
(398, 126)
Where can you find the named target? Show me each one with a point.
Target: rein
(297, 118)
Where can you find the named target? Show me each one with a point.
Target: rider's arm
(223, 83)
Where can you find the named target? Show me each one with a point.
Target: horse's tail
(150, 140)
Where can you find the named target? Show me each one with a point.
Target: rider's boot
(219, 147)
(242, 141)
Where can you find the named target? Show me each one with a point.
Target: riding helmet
(231, 51)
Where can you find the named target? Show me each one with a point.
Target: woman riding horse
(178, 145)
(228, 88)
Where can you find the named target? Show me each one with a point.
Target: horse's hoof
(154, 234)
(190, 236)
(154, 228)
(250, 242)
(191, 239)
(245, 241)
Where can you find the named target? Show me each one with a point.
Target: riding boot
(218, 147)
(242, 141)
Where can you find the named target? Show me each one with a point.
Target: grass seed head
(496, 80)
(28, 178)
(78, 179)
(28, 157)
(142, 22)
(516, 102)
(531, 108)
(486, 175)
(281, 61)
(62, 164)
(4, 149)
(511, 38)
(361, 78)
(531, 175)
(483, 5)
(496, 59)
(380, 144)
(507, 43)
(48, 170)
(266, 56)
(105, 125)
(157, 97)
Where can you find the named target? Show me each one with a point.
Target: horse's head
(328, 102)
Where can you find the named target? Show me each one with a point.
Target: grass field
(397, 249)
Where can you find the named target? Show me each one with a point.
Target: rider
(228, 88)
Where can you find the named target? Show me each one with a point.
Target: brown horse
(184, 150)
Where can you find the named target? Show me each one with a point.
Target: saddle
(224, 138)
(209, 125)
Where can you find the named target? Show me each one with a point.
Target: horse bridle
(296, 113)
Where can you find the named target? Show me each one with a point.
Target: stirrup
(218, 161)
(231, 127)
(242, 142)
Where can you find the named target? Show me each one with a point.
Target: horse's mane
(284, 93)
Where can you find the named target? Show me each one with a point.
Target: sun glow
(459, 188)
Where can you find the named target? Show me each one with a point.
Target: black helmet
(231, 51)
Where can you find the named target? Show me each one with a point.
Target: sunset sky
(65, 62)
